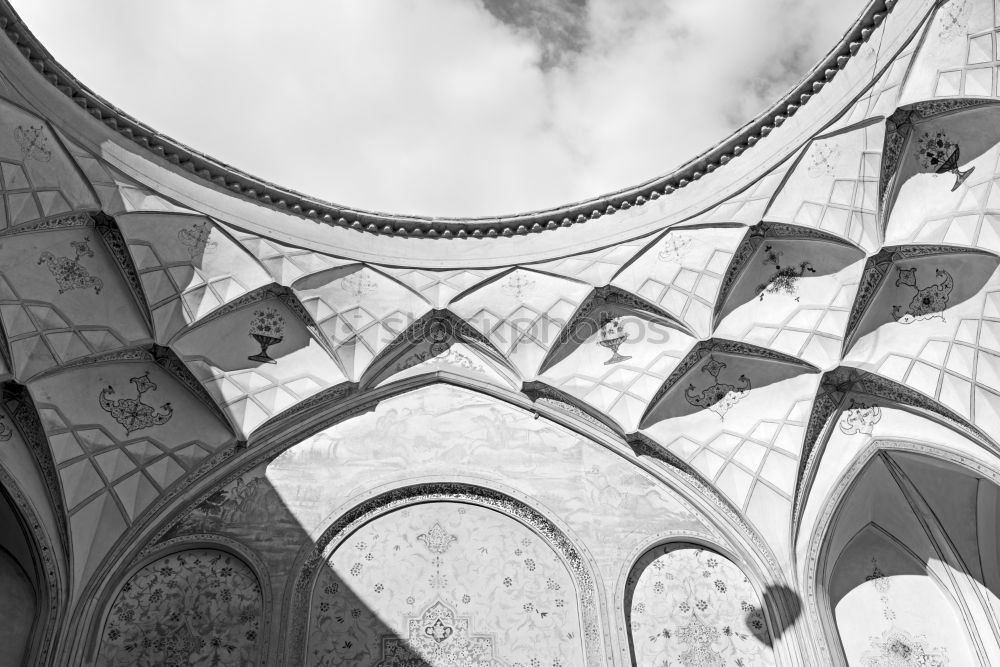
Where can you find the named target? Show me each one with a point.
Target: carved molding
(52, 598)
(219, 175)
(21, 408)
(643, 445)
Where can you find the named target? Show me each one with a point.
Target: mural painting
(445, 584)
(195, 607)
(693, 607)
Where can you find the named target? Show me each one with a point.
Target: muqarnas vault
(742, 414)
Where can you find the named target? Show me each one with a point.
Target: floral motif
(425, 615)
(681, 617)
(268, 328)
(785, 279)
(938, 155)
(881, 583)
(718, 397)
(33, 143)
(358, 284)
(674, 247)
(822, 159)
(517, 285)
(439, 335)
(898, 648)
(196, 607)
(860, 418)
(439, 638)
(132, 413)
(928, 302)
(953, 21)
(196, 239)
(69, 273)
(699, 639)
(437, 539)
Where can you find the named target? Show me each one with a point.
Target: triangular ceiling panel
(950, 349)
(284, 263)
(790, 289)
(188, 267)
(956, 53)
(522, 313)
(596, 268)
(682, 273)
(257, 357)
(359, 312)
(439, 287)
(617, 366)
(133, 403)
(67, 301)
(834, 186)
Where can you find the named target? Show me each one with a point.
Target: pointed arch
(926, 547)
(314, 560)
(26, 549)
(732, 615)
(200, 597)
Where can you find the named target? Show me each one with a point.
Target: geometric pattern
(682, 273)
(188, 267)
(109, 476)
(835, 249)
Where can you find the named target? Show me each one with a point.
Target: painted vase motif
(613, 334)
(267, 328)
(939, 155)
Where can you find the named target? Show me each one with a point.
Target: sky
(443, 107)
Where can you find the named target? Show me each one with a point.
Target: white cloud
(437, 106)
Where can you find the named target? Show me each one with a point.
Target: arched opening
(198, 606)
(443, 583)
(909, 564)
(19, 589)
(690, 605)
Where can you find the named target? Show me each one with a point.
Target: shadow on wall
(204, 605)
(678, 594)
(437, 582)
(777, 597)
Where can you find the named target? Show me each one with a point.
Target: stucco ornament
(68, 272)
(929, 302)
(439, 638)
(437, 539)
(718, 397)
(898, 648)
(132, 413)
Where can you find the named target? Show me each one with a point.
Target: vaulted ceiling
(159, 311)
